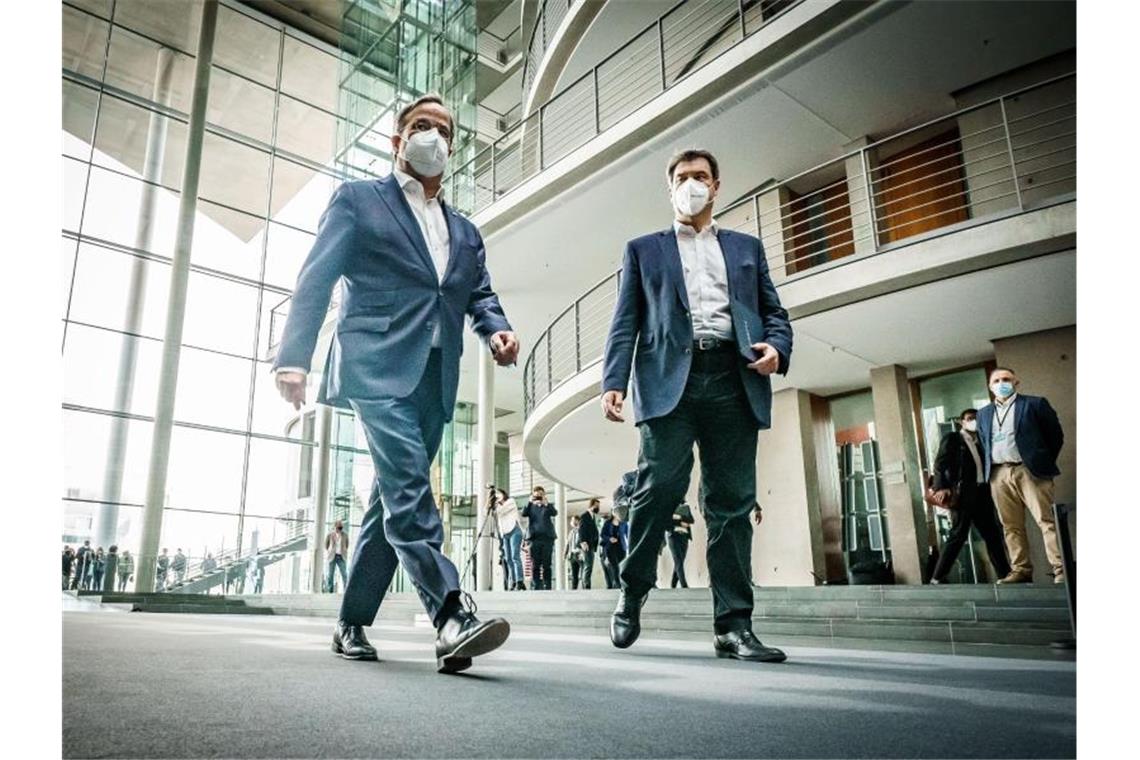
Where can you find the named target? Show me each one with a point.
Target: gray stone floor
(139, 685)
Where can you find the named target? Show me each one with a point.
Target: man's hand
(769, 360)
(611, 405)
(758, 514)
(505, 348)
(613, 540)
(292, 387)
(585, 546)
(942, 497)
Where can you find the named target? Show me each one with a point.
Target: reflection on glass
(134, 65)
(79, 108)
(240, 105)
(309, 74)
(84, 43)
(175, 24)
(234, 175)
(121, 144)
(246, 46)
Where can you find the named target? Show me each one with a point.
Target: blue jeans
(337, 562)
(512, 550)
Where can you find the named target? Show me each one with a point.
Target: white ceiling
(882, 77)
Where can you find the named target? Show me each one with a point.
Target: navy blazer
(652, 312)
(392, 298)
(1037, 432)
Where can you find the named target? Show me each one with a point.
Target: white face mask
(690, 197)
(970, 426)
(426, 152)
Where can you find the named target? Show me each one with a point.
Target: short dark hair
(538, 488)
(1001, 369)
(692, 155)
(431, 97)
(971, 410)
(594, 500)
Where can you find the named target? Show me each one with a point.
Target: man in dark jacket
(678, 537)
(588, 539)
(958, 467)
(1021, 438)
(540, 532)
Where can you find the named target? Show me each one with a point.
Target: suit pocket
(364, 323)
(373, 299)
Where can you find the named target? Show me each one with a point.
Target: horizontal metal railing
(1005, 156)
(687, 37)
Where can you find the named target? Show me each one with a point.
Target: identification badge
(999, 437)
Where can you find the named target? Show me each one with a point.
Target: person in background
(541, 534)
(958, 467)
(678, 537)
(209, 564)
(588, 539)
(162, 567)
(178, 565)
(1021, 438)
(613, 541)
(68, 561)
(573, 552)
(126, 569)
(110, 568)
(82, 564)
(507, 519)
(336, 549)
(98, 565)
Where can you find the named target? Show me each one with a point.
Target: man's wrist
(298, 370)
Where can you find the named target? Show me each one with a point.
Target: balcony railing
(500, 49)
(682, 41)
(1003, 157)
(550, 15)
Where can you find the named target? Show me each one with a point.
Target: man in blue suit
(674, 328)
(1021, 438)
(412, 270)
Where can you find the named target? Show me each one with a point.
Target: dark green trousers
(714, 414)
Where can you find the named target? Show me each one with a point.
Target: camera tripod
(489, 519)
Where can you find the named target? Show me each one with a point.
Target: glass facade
(288, 119)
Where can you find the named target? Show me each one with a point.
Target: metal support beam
(485, 467)
(321, 492)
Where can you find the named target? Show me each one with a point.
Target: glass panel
(121, 143)
(102, 287)
(310, 74)
(91, 374)
(74, 186)
(272, 415)
(85, 437)
(227, 240)
(66, 271)
(205, 470)
(234, 174)
(174, 24)
(286, 252)
(79, 108)
(196, 534)
(942, 399)
(220, 314)
(134, 65)
(100, 7)
(305, 131)
(271, 485)
(246, 46)
(213, 389)
(84, 43)
(241, 106)
(300, 194)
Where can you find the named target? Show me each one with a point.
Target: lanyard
(1000, 418)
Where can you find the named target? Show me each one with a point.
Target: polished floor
(140, 685)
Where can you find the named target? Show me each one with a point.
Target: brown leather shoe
(1017, 576)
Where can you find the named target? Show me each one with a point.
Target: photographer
(540, 532)
(507, 517)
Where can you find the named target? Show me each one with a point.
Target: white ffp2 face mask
(426, 152)
(690, 197)
(970, 426)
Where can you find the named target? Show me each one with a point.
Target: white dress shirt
(1003, 433)
(972, 445)
(433, 226)
(706, 280)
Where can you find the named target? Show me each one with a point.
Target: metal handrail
(540, 35)
(890, 194)
(528, 141)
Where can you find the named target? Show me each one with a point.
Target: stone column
(323, 456)
(901, 473)
(484, 467)
(561, 528)
(858, 195)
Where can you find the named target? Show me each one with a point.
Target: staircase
(1006, 621)
(199, 582)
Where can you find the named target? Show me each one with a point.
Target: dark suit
(681, 396)
(678, 541)
(382, 366)
(613, 551)
(954, 467)
(588, 532)
(1039, 436)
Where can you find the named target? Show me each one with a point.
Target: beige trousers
(1015, 490)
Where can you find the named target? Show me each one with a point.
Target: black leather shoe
(463, 636)
(743, 645)
(625, 625)
(350, 642)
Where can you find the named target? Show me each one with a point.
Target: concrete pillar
(484, 467)
(321, 489)
(1046, 363)
(901, 473)
(176, 307)
(107, 526)
(787, 547)
(770, 212)
(859, 196)
(561, 529)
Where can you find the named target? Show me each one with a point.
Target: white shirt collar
(1008, 402)
(406, 179)
(680, 228)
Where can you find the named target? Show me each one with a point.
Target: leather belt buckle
(707, 344)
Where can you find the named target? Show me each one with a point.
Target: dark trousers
(713, 413)
(402, 524)
(575, 570)
(587, 567)
(678, 547)
(542, 556)
(976, 508)
(614, 554)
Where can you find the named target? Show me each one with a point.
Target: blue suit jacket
(653, 312)
(1037, 432)
(392, 298)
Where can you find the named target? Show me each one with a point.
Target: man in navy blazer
(1021, 438)
(674, 333)
(412, 270)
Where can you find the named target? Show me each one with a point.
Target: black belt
(712, 344)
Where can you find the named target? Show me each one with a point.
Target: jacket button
(687, 349)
